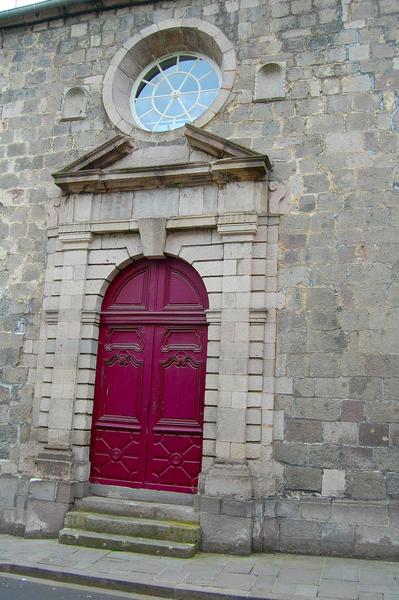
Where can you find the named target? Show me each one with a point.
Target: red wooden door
(150, 379)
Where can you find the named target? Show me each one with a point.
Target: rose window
(174, 90)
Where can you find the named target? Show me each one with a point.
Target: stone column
(226, 518)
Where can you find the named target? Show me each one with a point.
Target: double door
(149, 398)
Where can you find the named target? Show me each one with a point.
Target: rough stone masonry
(333, 140)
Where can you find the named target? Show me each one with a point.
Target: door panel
(117, 456)
(123, 376)
(150, 380)
(174, 462)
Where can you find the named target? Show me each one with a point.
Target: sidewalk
(206, 576)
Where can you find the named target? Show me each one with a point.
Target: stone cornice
(173, 175)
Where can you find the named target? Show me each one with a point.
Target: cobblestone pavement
(268, 576)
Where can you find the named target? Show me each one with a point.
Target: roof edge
(50, 10)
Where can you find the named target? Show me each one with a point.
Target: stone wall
(333, 139)
(338, 353)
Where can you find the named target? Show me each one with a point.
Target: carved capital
(239, 227)
(278, 198)
(52, 212)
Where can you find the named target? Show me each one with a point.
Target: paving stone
(300, 576)
(234, 581)
(240, 566)
(341, 573)
(344, 590)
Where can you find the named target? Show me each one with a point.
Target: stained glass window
(173, 91)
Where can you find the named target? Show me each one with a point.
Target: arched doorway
(150, 378)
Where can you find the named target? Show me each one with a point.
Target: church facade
(199, 283)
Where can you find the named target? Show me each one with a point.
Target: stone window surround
(154, 42)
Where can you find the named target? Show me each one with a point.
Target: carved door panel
(123, 385)
(150, 379)
(176, 411)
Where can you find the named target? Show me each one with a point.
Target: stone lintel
(78, 240)
(192, 222)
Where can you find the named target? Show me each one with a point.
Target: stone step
(139, 509)
(126, 543)
(126, 493)
(131, 526)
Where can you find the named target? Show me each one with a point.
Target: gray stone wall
(333, 139)
(338, 346)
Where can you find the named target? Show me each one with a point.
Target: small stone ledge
(312, 525)
(334, 527)
(35, 507)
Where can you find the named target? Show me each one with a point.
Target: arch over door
(150, 378)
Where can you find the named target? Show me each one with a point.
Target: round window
(174, 90)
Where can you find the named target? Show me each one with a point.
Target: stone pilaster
(229, 478)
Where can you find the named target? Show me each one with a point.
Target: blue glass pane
(176, 80)
(196, 111)
(189, 85)
(163, 88)
(186, 65)
(189, 100)
(142, 105)
(151, 117)
(210, 81)
(161, 104)
(206, 98)
(175, 109)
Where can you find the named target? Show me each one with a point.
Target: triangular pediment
(102, 157)
(104, 169)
